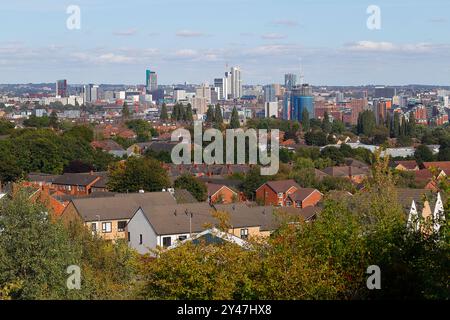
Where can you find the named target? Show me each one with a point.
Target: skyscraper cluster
(230, 86)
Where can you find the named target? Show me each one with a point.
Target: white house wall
(139, 225)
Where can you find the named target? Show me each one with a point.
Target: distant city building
(236, 83)
(287, 106)
(290, 81)
(339, 97)
(223, 85)
(204, 91)
(87, 93)
(61, 88)
(381, 108)
(270, 93)
(301, 98)
(179, 94)
(200, 104)
(151, 81)
(95, 93)
(271, 109)
(384, 92)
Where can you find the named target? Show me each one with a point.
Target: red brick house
(76, 183)
(305, 197)
(287, 193)
(221, 194)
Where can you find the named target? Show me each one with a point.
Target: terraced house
(108, 216)
(287, 193)
(164, 226)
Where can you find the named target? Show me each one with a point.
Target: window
(288, 203)
(244, 233)
(280, 195)
(182, 238)
(106, 227)
(121, 225)
(94, 227)
(129, 237)
(167, 241)
(140, 239)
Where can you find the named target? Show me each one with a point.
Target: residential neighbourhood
(248, 152)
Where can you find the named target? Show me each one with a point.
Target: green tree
(316, 138)
(53, 120)
(125, 111)
(396, 127)
(196, 187)
(137, 173)
(423, 154)
(234, 121)
(34, 252)
(366, 123)
(444, 149)
(189, 115)
(253, 180)
(334, 154)
(412, 125)
(6, 127)
(326, 124)
(305, 120)
(218, 118)
(164, 115)
(210, 114)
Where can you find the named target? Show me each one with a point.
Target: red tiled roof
(443, 165)
(301, 194)
(282, 186)
(408, 164)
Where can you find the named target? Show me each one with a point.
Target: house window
(121, 225)
(129, 237)
(280, 195)
(288, 203)
(167, 241)
(140, 239)
(244, 233)
(182, 238)
(106, 227)
(299, 204)
(94, 227)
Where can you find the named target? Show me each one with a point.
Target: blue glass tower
(301, 98)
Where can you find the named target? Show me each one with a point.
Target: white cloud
(372, 46)
(186, 53)
(189, 34)
(273, 49)
(125, 33)
(286, 22)
(273, 36)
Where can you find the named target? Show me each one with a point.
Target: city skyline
(187, 41)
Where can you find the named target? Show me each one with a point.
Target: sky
(195, 40)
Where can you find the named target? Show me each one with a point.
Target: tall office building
(270, 94)
(301, 98)
(87, 93)
(61, 88)
(222, 85)
(290, 81)
(95, 93)
(151, 81)
(236, 83)
(204, 91)
(384, 92)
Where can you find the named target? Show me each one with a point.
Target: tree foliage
(137, 173)
(196, 187)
